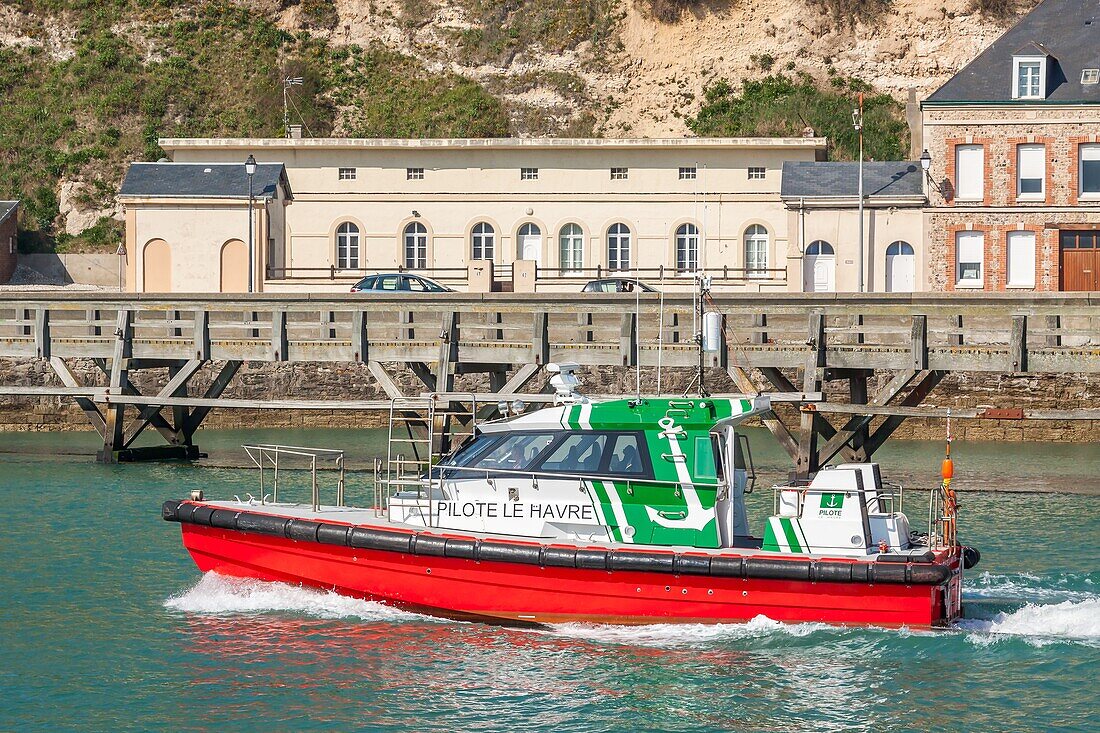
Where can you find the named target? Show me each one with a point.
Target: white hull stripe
(617, 510)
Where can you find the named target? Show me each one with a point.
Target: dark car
(398, 282)
(617, 285)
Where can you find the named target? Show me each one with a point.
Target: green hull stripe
(789, 533)
(609, 515)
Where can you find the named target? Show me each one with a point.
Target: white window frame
(1040, 84)
(979, 174)
(415, 239)
(483, 241)
(1087, 152)
(973, 239)
(528, 174)
(348, 238)
(347, 174)
(757, 241)
(689, 172)
(687, 248)
(571, 249)
(1017, 277)
(1090, 76)
(620, 174)
(618, 247)
(757, 173)
(1031, 149)
(414, 174)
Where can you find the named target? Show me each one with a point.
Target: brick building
(8, 252)
(1014, 171)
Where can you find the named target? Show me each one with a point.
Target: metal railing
(264, 456)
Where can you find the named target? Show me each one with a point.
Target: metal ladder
(421, 430)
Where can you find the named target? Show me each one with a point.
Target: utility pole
(857, 123)
(250, 169)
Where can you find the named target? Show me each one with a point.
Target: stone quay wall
(325, 381)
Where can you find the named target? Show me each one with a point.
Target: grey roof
(7, 208)
(827, 179)
(203, 180)
(1068, 31)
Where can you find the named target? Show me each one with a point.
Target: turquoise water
(105, 624)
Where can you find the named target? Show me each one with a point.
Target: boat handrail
(270, 453)
(490, 473)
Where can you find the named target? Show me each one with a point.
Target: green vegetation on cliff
(140, 71)
(779, 105)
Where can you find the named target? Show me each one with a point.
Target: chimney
(916, 125)
(295, 132)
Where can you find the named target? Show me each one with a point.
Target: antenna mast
(288, 82)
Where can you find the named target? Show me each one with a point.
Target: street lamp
(250, 169)
(857, 123)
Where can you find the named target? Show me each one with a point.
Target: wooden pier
(786, 345)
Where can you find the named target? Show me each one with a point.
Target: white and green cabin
(650, 471)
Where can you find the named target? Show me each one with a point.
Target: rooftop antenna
(288, 82)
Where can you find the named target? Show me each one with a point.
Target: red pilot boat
(628, 511)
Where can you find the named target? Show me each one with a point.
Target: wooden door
(234, 262)
(156, 259)
(1080, 264)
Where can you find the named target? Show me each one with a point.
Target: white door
(901, 268)
(530, 243)
(819, 268)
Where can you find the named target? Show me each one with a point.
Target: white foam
(220, 595)
(1025, 587)
(671, 635)
(1077, 621)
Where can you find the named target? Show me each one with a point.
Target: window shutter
(1021, 259)
(1032, 168)
(969, 172)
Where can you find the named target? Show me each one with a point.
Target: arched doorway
(901, 268)
(156, 267)
(819, 268)
(529, 243)
(234, 261)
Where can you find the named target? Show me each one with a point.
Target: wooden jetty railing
(787, 345)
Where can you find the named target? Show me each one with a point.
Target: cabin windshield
(563, 452)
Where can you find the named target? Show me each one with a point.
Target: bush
(778, 105)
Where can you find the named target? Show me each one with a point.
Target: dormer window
(1090, 76)
(1029, 77)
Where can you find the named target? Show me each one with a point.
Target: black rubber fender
(262, 524)
(593, 559)
(377, 539)
(302, 530)
(428, 545)
(630, 560)
(224, 519)
(727, 567)
(169, 510)
(489, 551)
(558, 557)
(691, 565)
(971, 557)
(333, 534)
(466, 549)
(766, 567)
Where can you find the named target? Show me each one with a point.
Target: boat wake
(1068, 621)
(672, 635)
(1028, 588)
(221, 595)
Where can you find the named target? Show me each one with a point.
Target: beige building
(1013, 146)
(823, 203)
(547, 213)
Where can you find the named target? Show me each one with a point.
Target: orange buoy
(947, 470)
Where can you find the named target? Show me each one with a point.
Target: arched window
(618, 247)
(819, 247)
(347, 246)
(416, 246)
(687, 248)
(899, 248)
(756, 251)
(571, 249)
(483, 241)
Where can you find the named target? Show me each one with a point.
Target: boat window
(704, 459)
(626, 456)
(469, 451)
(515, 453)
(579, 453)
(718, 446)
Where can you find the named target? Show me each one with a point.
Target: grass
(502, 29)
(779, 105)
(209, 69)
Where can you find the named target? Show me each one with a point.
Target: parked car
(398, 282)
(617, 285)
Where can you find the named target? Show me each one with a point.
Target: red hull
(515, 593)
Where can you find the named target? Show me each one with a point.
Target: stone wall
(353, 381)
